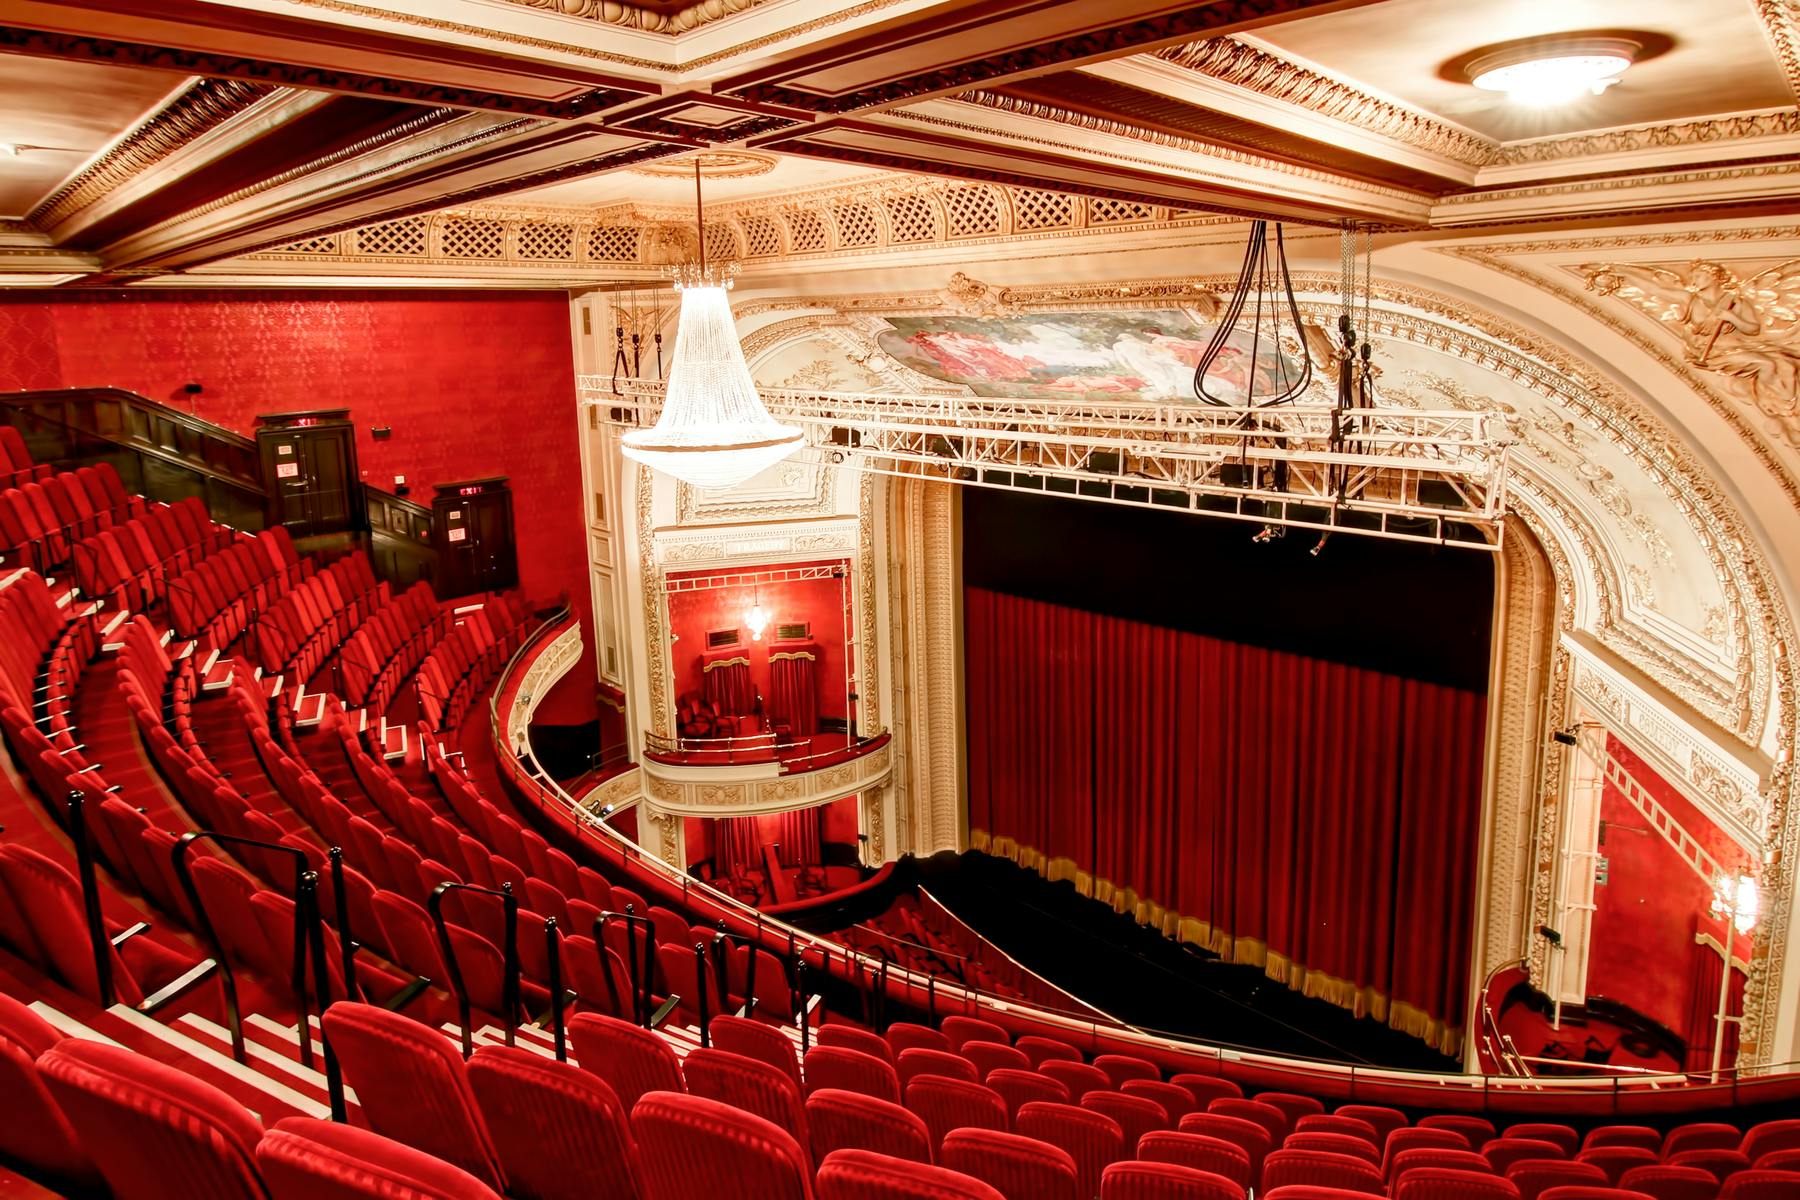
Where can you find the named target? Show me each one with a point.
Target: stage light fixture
(1269, 533)
(1319, 545)
(1565, 737)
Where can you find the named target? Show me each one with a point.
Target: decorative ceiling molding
(1706, 131)
(1258, 70)
(203, 106)
(630, 16)
(1781, 21)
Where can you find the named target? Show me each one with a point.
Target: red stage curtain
(1703, 1005)
(794, 686)
(728, 685)
(737, 849)
(1315, 818)
(798, 834)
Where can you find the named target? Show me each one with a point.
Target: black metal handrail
(701, 1004)
(553, 965)
(90, 898)
(509, 983)
(642, 982)
(309, 941)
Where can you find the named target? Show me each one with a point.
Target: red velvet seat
(994, 1056)
(413, 1087)
(1198, 1151)
(1702, 1135)
(1094, 1140)
(1420, 1137)
(904, 1035)
(1770, 1135)
(1019, 1088)
(758, 1040)
(1535, 1175)
(1671, 1183)
(1477, 1131)
(1437, 1156)
(1164, 1181)
(945, 1104)
(1014, 1164)
(840, 1120)
(1176, 1100)
(1079, 1077)
(851, 1071)
(1616, 1160)
(1041, 1050)
(155, 1132)
(631, 1059)
(1761, 1185)
(1779, 1160)
(1503, 1152)
(692, 1148)
(861, 1175)
(1207, 1088)
(1334, 1143)
(1323, 1168)
(963, 1030)
(1623, 1135)
(1338, 1123)
(1721, 1164)
(746, 1083)
(559, 1131)
(915, 1061)
(1306, 1191)
(1120, 1067)
(35, 1132)
(851, 1037)
(1253, 1138)
(1292, 1104)
(1579, 1191)
(1547, 1131)
(1135, 1114)
(306, 1159)
(1433, 1183)
(1272, 1119)
(1382, 1119)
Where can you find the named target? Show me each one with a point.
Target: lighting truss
(1399, 473)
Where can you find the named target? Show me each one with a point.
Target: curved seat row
(467, 659)
(388, 647)
(299, 632)
(217, 599)
(16, 463)
(131, 563)
(42, 518)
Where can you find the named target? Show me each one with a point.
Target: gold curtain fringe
(1361, 1000)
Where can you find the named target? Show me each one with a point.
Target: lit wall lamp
(757, 618)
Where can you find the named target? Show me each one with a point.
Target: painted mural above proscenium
(1148, 355)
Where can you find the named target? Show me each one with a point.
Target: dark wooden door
(309, 467)
(473, 526)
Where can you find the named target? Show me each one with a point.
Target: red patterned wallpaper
(472, 383)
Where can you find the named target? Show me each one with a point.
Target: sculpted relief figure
(1747, 329)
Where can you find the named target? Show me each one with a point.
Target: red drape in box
(727, 675)
(1315, 818)
(798, 834)
(794, 686)
(737, 848)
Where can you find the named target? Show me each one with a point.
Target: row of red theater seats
(902, 935)
(216, 600)
(467, 659)
(42, 519)
(385, 650)
(302, 629)
(132, 562)
(16, 464)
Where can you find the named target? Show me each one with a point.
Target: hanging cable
(1269, 279)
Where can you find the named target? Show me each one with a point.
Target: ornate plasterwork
(923, 563)
(1257, 69)
(630, 16)
(199, 108)
(713, 792)
(714, 164)
(1663, 136)
(1781, 21)
(547, 666)
(1744, 328)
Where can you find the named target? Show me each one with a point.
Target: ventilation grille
(545, 241)
(613, 243)
(806, 230)
(763, 236)
(721, 241)
(1117, 212)
(799, 631)
(319, 245)
(1043, 210)
(973, 211)
(855, 224)
(912, 220)
(719, 638)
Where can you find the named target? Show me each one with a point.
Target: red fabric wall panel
(1653, 903)
(472, 383)
(1326, 811)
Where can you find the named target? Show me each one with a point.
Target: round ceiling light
(1550, 71)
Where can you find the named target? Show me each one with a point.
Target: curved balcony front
(740, 776)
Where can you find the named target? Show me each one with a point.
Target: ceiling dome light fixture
(713, 431)
(1546, 72)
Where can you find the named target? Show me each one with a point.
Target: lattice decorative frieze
(319, 245)
(911, 219)
(762, 237)
(404, 238)
(1103, 211)
(614, 243)
(1042, 210)
(806, 231)
(545, 241)
(973, 211)
(855, 224)
(721, 241)
(472, 237)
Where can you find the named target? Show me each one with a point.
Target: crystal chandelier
(713, 431)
